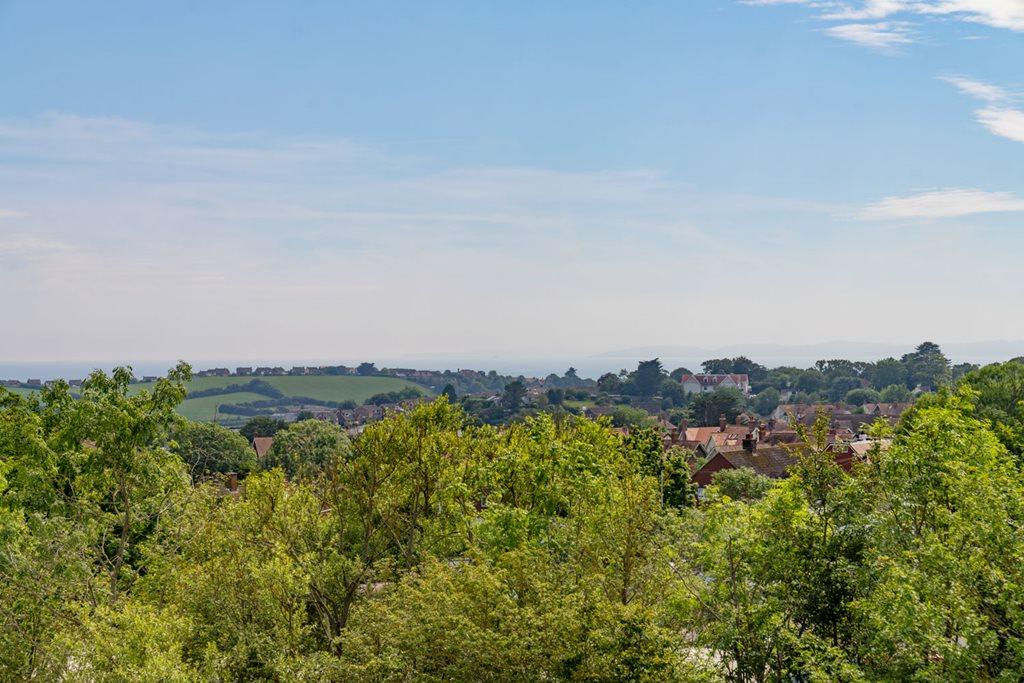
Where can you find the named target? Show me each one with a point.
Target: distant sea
(587, 365)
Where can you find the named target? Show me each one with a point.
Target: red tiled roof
(713, 380)
(770, 461)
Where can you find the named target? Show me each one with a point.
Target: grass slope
(21, 391)
(204, 409)
(321, 387)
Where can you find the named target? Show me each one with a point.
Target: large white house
(702, 384)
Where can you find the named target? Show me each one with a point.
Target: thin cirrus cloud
(891, 23)
(883, 35)
(999, 114)
(942, 203)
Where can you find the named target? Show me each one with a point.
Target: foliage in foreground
(431, 549)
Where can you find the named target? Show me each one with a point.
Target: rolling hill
(320, 387)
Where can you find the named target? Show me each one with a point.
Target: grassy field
(321, 387)
(21, 391)
(204, 409)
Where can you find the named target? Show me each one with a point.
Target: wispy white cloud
(883, 36)
(1007, 14)
(894, 21)
(977, 89)
(943, 203)
(1000, 115)
(12, 214)
(1003, 121)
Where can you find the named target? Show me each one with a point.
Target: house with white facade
(702, 384)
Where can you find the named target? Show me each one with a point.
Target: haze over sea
(537, 365)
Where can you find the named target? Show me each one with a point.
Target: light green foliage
(90, 494)
(210, 448)
(133, 643)
(549, 549)
(741, 483)
(624, 416)
(945, 555)
(998, 396)
(895, 393)
(307, 448)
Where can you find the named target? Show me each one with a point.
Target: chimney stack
(722, 422)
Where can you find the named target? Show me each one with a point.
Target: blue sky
(338, 179)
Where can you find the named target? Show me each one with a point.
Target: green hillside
(320, 387)
(21, 391)
(204, 409)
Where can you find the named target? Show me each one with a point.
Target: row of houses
(36, 383)
(772, 447)
(276, 371)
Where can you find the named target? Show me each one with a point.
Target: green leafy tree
(556, 397)
(678, 373)
(307, 448)
(998, 397)
(942, 597)
(860, 396)
(673, 393)
(624, 416)
(741, 483)
(767, 400)
(927, 367)
(648, 377)
(513, 395)
(810, 381)
(608, 383)
(707, 407)
(261, 425)
(961, 369)
(887, 372)
(210, 448)
(839, 386)
(896, 393)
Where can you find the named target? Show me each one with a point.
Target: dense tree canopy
(433, 548)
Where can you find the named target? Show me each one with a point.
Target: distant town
(734, 413)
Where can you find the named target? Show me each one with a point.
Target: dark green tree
(648, 377)
(767, 400)
(513, 395)
(927, 367)
(678, 373)
(888, 371)
(261, 425)
(706, 408)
